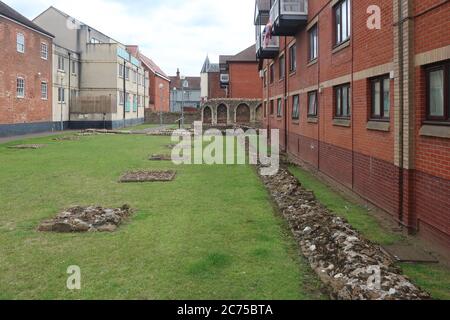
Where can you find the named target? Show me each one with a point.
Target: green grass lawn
(210, 234)
(433, 278)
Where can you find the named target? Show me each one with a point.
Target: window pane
(376, 99)
(338, 24)
(437, 93)
(344, 21)
(345, 102)
(338, 102)
(387, 97)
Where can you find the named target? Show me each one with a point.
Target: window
(381, 98)
(61, 95)
(20, 89)
(342, 21)
(265, 109)
(127, 73)
(61, 64)
(313, 43)
(272, 72)
(265, 78)
(271, 107)
(74, 93)
(95, 41)
(282, 66)
(20, 43)
(342, 101)
(74, 67)
(133, 76)
(312, 104)
(279, 108)
(296, 107)
(44, 90)
(44, 51)
(121, 70)
(438, 92)
(293, 58)
(121, 100)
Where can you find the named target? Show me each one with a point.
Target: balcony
(266, 48)
(262, 12)
(288, 16)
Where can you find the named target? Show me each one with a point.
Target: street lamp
(184, 85)
(161, 87)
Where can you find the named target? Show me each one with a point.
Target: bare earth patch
(68, 138)
(148, 176)
(87, 219)
(160, 157)
(28, 146)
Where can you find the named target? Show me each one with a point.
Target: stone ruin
(28, 146)
(160, 157)
(87, 219)
(148, 176)
(351, 267)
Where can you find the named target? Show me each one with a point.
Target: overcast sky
(174, 33)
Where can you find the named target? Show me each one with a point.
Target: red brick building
(360, 91)
(25, 75)
(235, 77)
(159, 82)
(244, 79)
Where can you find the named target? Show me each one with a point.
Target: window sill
(312, 62)
(296, 122)
(379, 126)
(292, 73)
(341, 46)
(439, 131)
(313, 120)
(342, 123)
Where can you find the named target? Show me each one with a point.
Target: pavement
(33, 135)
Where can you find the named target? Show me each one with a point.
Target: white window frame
(44, 51)
(61, 93)
(20, 94)
(63, 69)
(20, 44)
(74, 68)
(44, 93)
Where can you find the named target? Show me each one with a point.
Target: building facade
(111, 90)
(359, 91)
(158, 82)
(184, 96)
(25, 75)
(210, 86)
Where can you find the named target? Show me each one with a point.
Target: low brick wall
(152, 117)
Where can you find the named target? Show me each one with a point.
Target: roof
(210, 67)
(247, 55)
(205, 65)
(194, 82)
(149, 63)
(224, 58)
(12, 14)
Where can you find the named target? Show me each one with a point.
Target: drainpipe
(352, 113)
(401, 102)
(70, 90)
(285, 97)
(124, 90)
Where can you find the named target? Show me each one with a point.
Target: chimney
(178, 73)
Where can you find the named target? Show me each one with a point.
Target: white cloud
(174, 33)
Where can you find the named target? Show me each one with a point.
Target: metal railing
(262, 43)
(288, 7)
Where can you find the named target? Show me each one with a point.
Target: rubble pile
(87, 219)
(351, 267)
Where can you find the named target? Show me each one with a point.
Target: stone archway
(259, 113)
(207, 115)
(243, 113)
(222, 114)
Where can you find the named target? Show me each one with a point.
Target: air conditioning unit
(224, 78)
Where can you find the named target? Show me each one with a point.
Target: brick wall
(367, 160)
(215, 91)
(244, 80)
(32, 109)
(157, 104)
